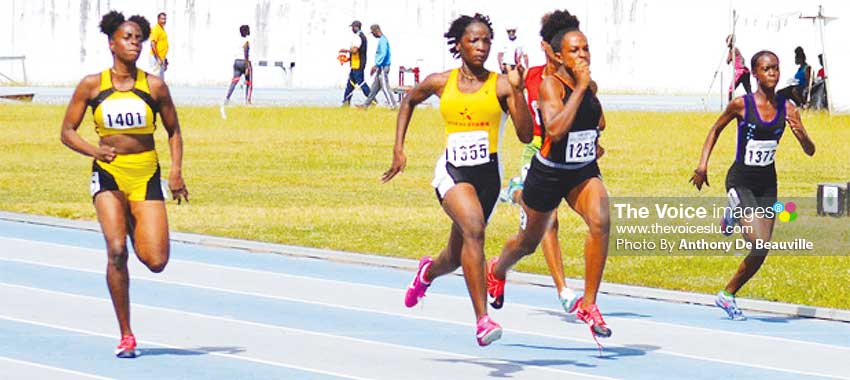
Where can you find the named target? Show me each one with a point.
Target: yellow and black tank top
(473, 122)
(130, 112)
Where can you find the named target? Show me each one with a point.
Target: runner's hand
(399, 163)
(794, 121)
(700, 177)
(582, 73)
(515, 76)
(178, 187)
(105, 153)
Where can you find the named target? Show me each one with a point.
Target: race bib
(760, 152)
(94, 184)
(468, 148)
(124, 113)
(581, 147)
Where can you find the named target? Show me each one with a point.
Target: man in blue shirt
(381, 82)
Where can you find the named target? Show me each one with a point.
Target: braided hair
(556, 25)
(459, 25)
(114, 19)
(758, 55)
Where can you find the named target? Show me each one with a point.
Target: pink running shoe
(418, 286)
(495, 287)
(593, 318)
(488, 331)
(127, 348)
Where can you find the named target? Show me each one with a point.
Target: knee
(116, 251)
(157, 265)
(474, 233)
(599, 225)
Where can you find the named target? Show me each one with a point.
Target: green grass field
(310, 176)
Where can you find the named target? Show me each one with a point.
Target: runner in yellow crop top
(125, 183)
(467, 176)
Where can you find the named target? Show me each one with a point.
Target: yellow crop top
(473, 121)
(124, 112)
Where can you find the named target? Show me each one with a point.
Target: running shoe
(569, 300)
(127, 348)
(418, 286)
(221, 111)
(495, 287)
(729, 305)
(487, 331)
(593, 318)
(507, 194)
(727, 222)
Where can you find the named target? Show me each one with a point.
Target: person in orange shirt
(159, 46)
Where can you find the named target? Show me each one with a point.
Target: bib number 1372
(760, 152)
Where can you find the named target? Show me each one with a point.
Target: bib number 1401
(124, 113)
(468, 148)
(124, 120)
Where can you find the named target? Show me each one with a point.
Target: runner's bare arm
(432, 85)
(734, 110)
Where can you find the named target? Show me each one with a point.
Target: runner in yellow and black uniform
(126, 113)
(125, 184)
(467, 176)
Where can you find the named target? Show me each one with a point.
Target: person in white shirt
(512, 51)
(241, 66)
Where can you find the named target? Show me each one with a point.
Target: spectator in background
(241, 67)
(819, 99)
(799, 88)
(742, 73)
(357, 59)
(381, 83)
(159, 46)
(512, 51)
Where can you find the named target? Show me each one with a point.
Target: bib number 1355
(468, 148)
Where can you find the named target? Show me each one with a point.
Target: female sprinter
(467, 176)
(564, 168)
(513, 193)
(125, 183)
(751, 181)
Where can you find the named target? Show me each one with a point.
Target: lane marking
(464, 298)
(273, 327)
(57, 369)
(283, 298)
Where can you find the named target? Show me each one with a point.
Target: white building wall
(638, 46)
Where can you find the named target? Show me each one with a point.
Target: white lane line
(152, 343)
(430, 319)
(339, 282)
(518, 305)
(276, 327)
(438, 320)
(57, 369)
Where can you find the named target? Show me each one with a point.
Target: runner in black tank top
(751, 181)
(565, 168)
